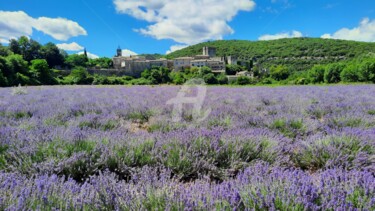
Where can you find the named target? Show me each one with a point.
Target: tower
(85, 53)
(119, 52)
(209, 51)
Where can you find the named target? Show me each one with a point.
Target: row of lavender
(303, 133)
(259, 187)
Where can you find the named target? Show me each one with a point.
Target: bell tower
(119, 52)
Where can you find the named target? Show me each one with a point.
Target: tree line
(27, 62)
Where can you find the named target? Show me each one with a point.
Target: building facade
(135, 65)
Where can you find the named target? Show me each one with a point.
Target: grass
(371, 112)
(291, 128)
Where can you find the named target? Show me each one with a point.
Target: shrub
(80, 76)
(316, 74)
(279, 72)
(210, 78)
(222, 79)
(243, 80)
(350, 73)
(332, 73)
(266, 81)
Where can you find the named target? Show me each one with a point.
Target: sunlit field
(262, 148)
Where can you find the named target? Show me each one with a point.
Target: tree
(316, 74)
(52, 55)
(14, 46)
(204, 71)
(233, 69)
(3, 79)
(279, 72)
(79, 75)
(15, 64)
(222, 79)
(29, 48)
(41, 72)
(332, 73)
(100, 62)
(4, 51)
(157, 75)
(76, 60)
(350, 73)
(367, 69)
(210, 78)
(243, 80)
(177, 77)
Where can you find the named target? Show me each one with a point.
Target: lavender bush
(95, 148)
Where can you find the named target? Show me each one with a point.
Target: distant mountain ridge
(296, 53)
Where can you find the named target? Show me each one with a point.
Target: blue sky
(159, 26)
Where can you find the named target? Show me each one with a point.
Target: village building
(135, 65)
(182, 62)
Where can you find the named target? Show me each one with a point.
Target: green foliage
(350, 73)
(52, 54)
(367, 69)
(243, 80)
(79, 75)
(76, 60)
(41, 72)
(104, 63)
(3, 79)
(266, 81)
(279, 72)
(210, 78)
(4, 51)
(177, 77)
(291, 128)
(296, 53)
(140, 81)
(157, 75)
(233, 69)
(15, 64)
(316, 74)
(111, 80)
(29, 49)
(332, 73)
(222, 79)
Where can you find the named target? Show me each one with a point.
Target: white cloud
(59, 28)
(174, 48)
(127, 52)
(291, 34)
(4, 41)
(70, 46)
(185, 21)
(16, 24)
(326, 36)
(364, 32)
(89, 55)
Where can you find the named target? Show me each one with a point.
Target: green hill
(296, 53)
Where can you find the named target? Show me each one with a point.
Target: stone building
(207, 59)
(182, 62)
(209, 51)
(135, 65)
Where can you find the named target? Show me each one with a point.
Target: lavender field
(261, 148)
